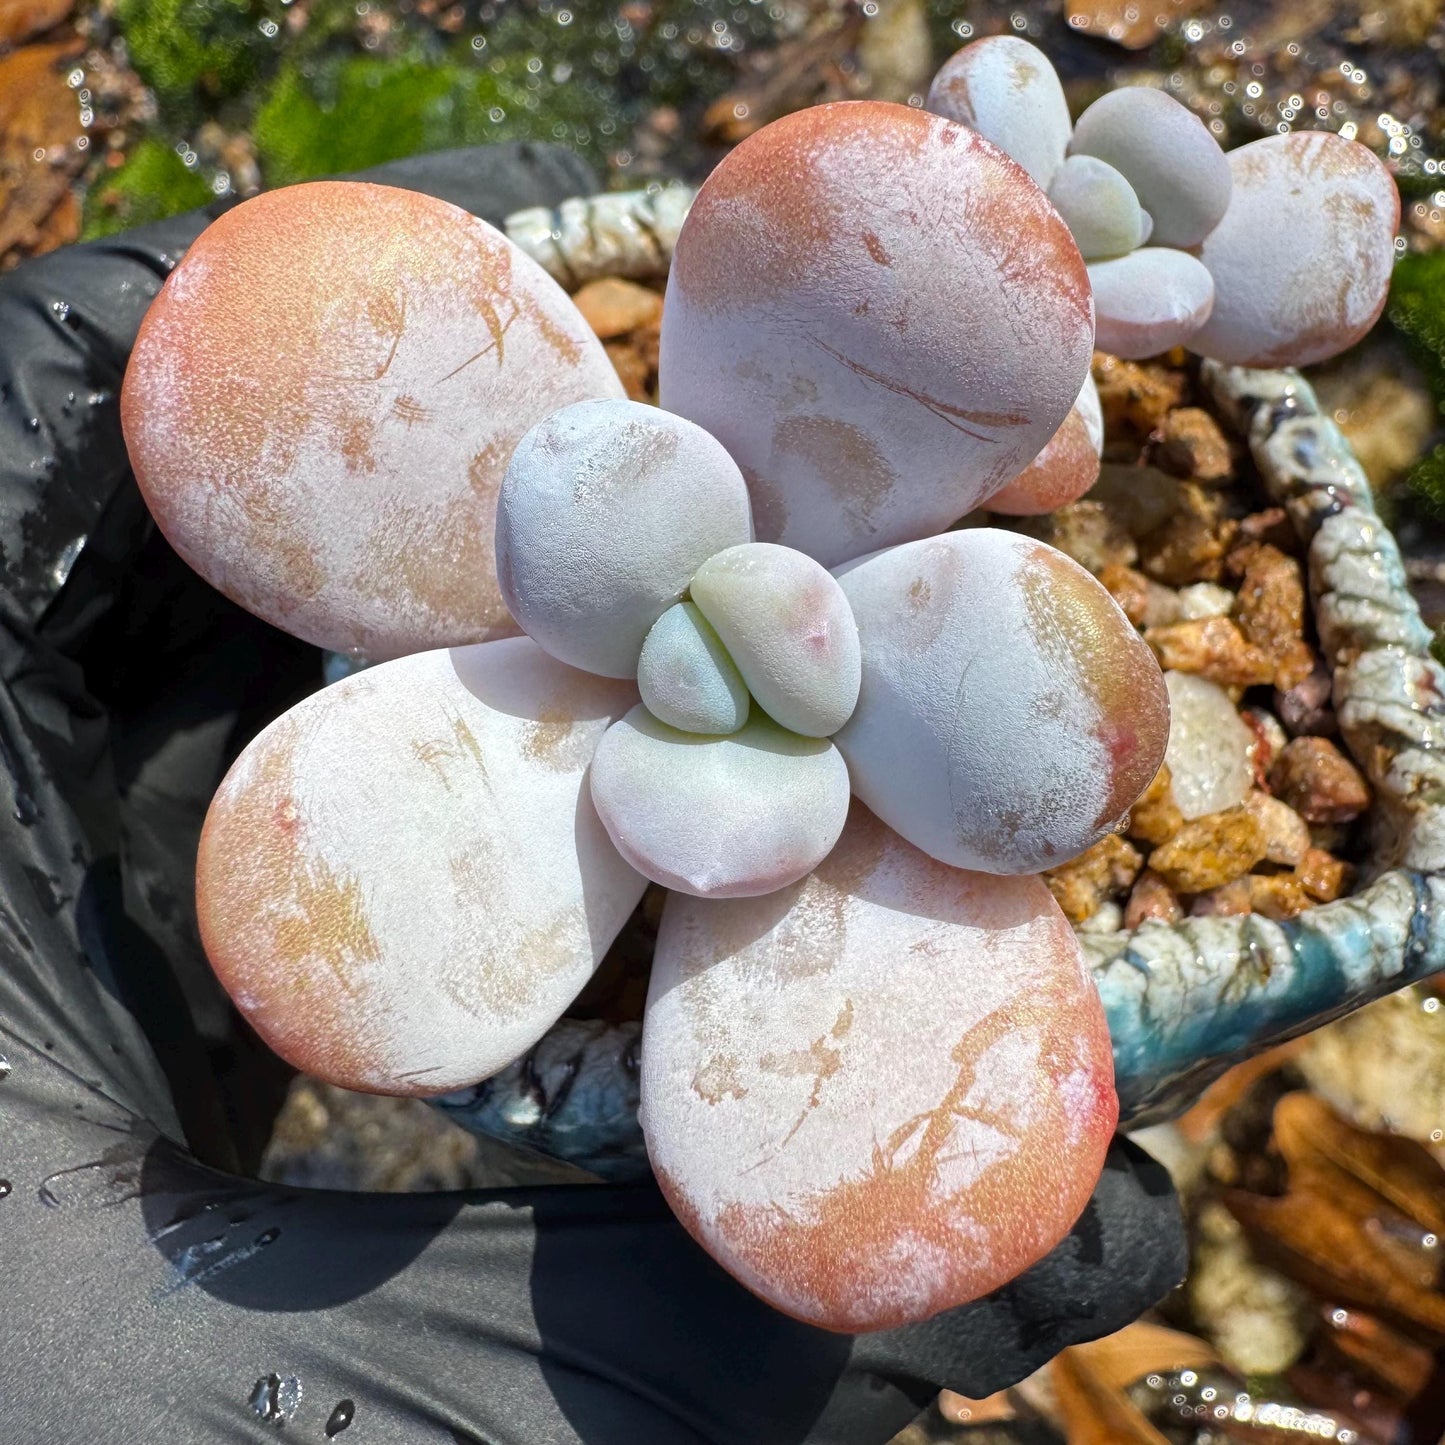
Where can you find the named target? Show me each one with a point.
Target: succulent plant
(876, 1077)
(1275, 254)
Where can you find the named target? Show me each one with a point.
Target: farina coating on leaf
(323, 398)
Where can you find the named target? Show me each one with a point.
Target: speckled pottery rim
(1184, 1000)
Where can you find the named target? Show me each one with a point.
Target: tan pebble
(1271, 525)
(1319, 782)
(1156, 817)
(1228, 901)
(1145, 603)
(1085, 531)
(1152, 897)
(1192, 544)
(1269, 741)
(1135, 396)
(1099, 873)
(1277, 895)
(1141, 498)
(1271, 612)
(1293, 664)
(1286, 834)
(1210, 851)
(631, 369)
(1322, 875)
(613, 307)
(1213, 648)
(1190, 444)
(1307, 707)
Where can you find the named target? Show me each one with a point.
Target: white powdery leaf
(322, 400)
(1150, 300)
(881, 1092)
(1166, 153)
(1006, 90)
(1210, 747)
(1099, 206)
(402, 882)
(719, 817)
(787, 626)
(1010, 714)
(1302, 259)
(686, 677)
(605, 513)
(880, 318)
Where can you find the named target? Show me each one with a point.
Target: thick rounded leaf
(686, 677)
(1006, 90)
(880, 317)
(1099, 206)
(1166, 153)
(1065, 469)
(1150, 300)
(1010, 715)
(606, 511)
(322, 401)
(402, 882)
(786, 624)
(727, 817)
(880, 1093)
(1302, 259)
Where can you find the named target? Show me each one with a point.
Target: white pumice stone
(1099, 206)
(788, 628)
(1204, 599)
(1210, 746)
(1149, 300)
(1166, 153)
(606, 511)
(1302, 259)
(686, 677)
(719, 817)
(1006, 90)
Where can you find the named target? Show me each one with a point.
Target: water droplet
(340, 1418)
(63, 563)
(32, 423)
(5, 1187)
(275, 1399)
(4, 1068)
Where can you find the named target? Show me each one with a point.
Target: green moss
(153, 184)
(346, 113)
(363, 111)
(1417, 309)
(194, 53)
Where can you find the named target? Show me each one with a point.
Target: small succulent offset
(758, 668)
(1275, 254)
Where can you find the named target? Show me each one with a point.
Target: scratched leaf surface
(402, 881)
(880, 316)
(881, 1092)
(323, 400)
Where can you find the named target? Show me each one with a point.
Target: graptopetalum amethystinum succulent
(876, 1075)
